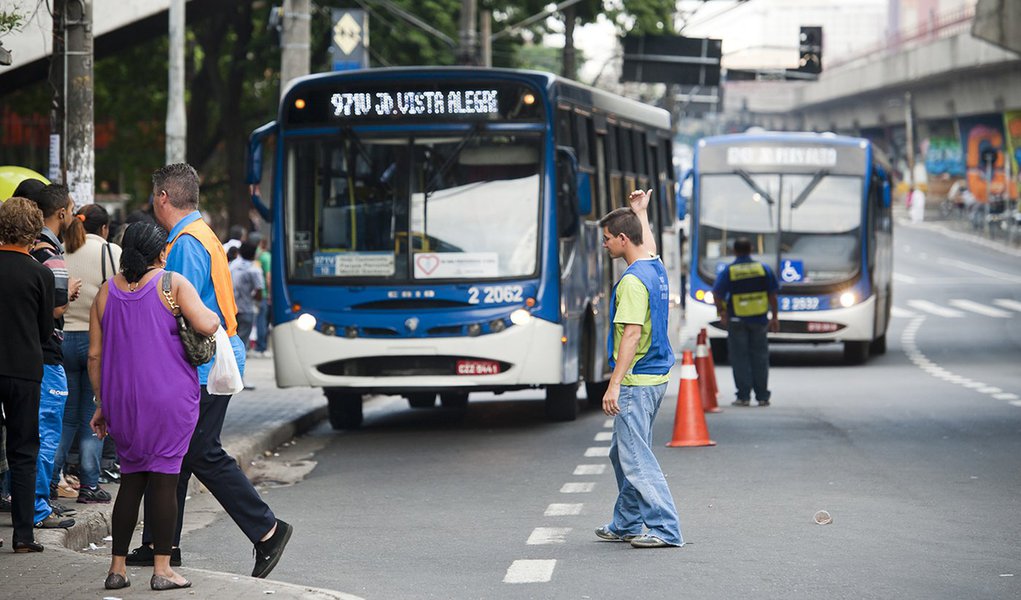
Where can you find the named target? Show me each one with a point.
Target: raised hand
(639, 201)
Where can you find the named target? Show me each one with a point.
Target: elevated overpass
(947, 77)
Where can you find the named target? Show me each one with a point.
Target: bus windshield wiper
(751, 183)
(803, 196)
(437, 177)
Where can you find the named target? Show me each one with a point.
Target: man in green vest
(745, 295)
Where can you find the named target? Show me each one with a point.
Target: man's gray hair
(181, 182)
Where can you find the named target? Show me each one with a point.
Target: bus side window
(581, 139)
(614, 182)
(565, 132)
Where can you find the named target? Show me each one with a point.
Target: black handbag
(198, 348)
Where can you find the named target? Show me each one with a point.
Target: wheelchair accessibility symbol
(792, 271)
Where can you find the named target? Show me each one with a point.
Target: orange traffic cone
(689, 422)
(706, 379)
(712, 364)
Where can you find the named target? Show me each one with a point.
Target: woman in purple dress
(147, 392)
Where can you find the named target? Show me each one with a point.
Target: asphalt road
(916, 455)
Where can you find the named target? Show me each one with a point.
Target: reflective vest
(660, 356)
(748, 289)
(223, 285)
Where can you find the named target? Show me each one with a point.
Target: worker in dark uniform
(745, 294)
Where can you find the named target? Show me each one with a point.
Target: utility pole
(569, 67)
(72, 145)
(486, 26)
(295, 56)
(467, 51)
(177, 120)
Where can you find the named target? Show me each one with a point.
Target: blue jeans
(78, 411)
(643, 497)
(262, 327)
(246, 321)
(52, 397)
(748, 350)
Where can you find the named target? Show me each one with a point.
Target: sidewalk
(257, 420)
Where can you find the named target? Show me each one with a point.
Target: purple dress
(150, 392)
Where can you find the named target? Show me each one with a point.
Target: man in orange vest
(195, 252)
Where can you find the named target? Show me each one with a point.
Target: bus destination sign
(835, 159)
(420, 103)
(785, 156)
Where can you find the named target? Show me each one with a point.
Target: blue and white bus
(435, 232)
(816, 208)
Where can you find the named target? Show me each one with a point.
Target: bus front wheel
(856, 353)
(344, 409)
(562, 402)
(595, 390)
(422, 400)
(878, 345)
(454, 399)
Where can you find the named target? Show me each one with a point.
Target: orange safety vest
(223, 284)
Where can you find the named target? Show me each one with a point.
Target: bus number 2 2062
(495, 294)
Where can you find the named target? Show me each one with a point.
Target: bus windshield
(451, 207)
(811, 218)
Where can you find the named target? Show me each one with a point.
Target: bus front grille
(402, 366)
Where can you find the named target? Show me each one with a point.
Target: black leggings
(160, 490)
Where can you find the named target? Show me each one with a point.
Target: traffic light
(810, 50)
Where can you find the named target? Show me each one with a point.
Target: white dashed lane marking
(981, 309)
(935, 309)
(542, 536)
(608, 424)
(530, 571)
(604, 436)
(1008, 303)
(590, 469)
(581, 487)
(923, 362)
(900, 313)
(597, 451)
(563, 510)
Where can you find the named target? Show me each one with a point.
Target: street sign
(350, 36)
(672, 59)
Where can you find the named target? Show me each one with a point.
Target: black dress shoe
(268, 553)
(25, 547)
(143, 556)
(160, 583)
(116, 581)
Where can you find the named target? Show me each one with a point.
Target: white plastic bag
(225, 376)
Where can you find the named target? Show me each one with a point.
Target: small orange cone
(706, 380)
(689, 422)
(712, 365)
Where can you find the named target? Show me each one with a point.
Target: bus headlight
(520, 317)
(497, 326)
(847, 299)
(306, 322)
(708, 298)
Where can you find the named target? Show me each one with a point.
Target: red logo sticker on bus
(477, 367)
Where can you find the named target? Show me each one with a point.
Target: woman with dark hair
(148, 392)
(93, 260)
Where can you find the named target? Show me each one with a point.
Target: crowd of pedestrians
(91, 351)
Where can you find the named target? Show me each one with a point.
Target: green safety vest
(749, 303)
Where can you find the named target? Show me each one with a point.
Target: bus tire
(562, 402)
(595, 390)
(422, 400)
(856, 353)
(878, 345)
(344, 409)
(718, 346)
(454, 399)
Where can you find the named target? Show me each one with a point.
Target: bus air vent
(410, 304)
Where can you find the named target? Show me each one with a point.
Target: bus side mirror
(254, 170)
(568, 209)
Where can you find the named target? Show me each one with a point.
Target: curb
(95, 525)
